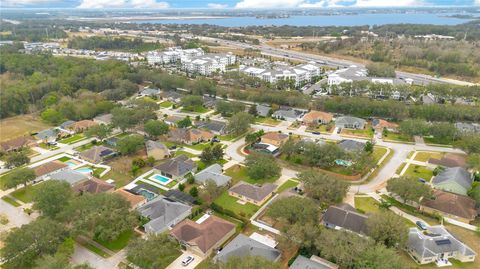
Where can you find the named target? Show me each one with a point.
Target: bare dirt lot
(20, 125)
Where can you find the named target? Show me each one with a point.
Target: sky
(233, 4)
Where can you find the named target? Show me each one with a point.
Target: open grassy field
(121, 241)
(20, 125)
(367, 132)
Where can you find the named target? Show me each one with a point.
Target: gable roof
(212, 125)
(178, 166)
(317, 115)
(162, 212)
(180, 196)
(46, 134)
(132, 198)
(67, 124)
(204, 235)
(49, 167)
(351, 145)
(213, 172)
(346, 219)
(347, 120)
(451, 203)
(189, 135)
(97, 153)
(455, 175)
(83, 124)
(243, 246)
(381, 124)
(70, 176)
(93, 185)
(263, 110)
(256, 193)
(16, 143)
(152, 145)
(449, 160)
(315, 262)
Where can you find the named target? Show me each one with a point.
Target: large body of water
(338, 20)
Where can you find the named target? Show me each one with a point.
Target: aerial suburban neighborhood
(239, 134)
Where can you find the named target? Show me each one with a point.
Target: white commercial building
(355, 73)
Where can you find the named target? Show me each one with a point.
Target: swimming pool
(85, 170)
(161, 179)
(147, 194)
(71, 163)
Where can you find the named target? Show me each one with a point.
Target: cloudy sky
(218, 4)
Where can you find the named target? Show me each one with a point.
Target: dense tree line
(112, 43)
(36, 31)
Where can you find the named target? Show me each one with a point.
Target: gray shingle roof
(45, 134)
(70, 176)
(243, 246)
(302, 262)
(253, 192)
(351, 145)
(346, 219)
(458, 175)
(151, 145)
(215, 126)
(162, 213)
(178, 166)
(213, 172)
(347, 120)
(263, 110)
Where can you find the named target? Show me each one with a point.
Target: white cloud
(327, 3)
(383, 3)
(122, 4)
(216, 5)
(22, 3)
(269, 3)
(477, 2)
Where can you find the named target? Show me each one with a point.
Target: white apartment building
(172, 55)
(207, 64)
(300, 73)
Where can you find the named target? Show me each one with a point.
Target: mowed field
(20, 125)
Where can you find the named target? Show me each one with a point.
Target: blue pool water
(71, 164)
(147, 194)
(85, 170)
(160, 178)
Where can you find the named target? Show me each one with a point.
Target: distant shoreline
(142, 18)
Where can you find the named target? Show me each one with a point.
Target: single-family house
(163, 214)
(210, 101)
(288, 114)
(437, 245)
(133, 199)
(250, 193)
(157, 150)
(448, 160)
(345, 218)
(81, 126)
(70, 176)
(97, 154)
(266, 148)
(350, 122)
(105, 119)
(189, 136)
(243, 246)
(216, 127)
(44, 170)
(317, 117)
(450, 205)
(351, 145)
(50, 135)
(180, 196)
(263, 110)
(93, 185)
(150, 92)
(202, 237)
(274, 138)
(172, 96)
(67, 125)
(17, 144)
(456, 179)
(428, 99)
(379, 125)
(215, 173)
(177, 167)
(315, 262)
(172, 120)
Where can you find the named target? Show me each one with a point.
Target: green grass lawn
(10, 200)
(418, 171)
(438, 141)
(98, 170)
(45, 146)
(199, 146)
(366, 205)
(166, 104)
(197, 109)
(84, 147)
(378, 153)
(240, 173)
(72, 139)
(423, 156)
(181, 152)
(400, 168)
(201, 165)
(399, 137)
(121, 179)
(120, 243)
(230, 203)
(323, 128)
(230, 137)
(367, 132)
(410, 210)
(64, 159)
(287, 185)
(94, 249)
(25, 194)
(267, 121)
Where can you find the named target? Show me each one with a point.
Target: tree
(387, 228)
(473, 161)
(100, 131)
(184, 123)
(193, 191)
(239, 123)
(252, 110)
(368, 147)
(202, 86)
(155, 252)
(380, 70)
(155, 128)
(103, 216)
(52, 116)
(379, 257)
(294, 210)
(251, 138)
(51, 197)
(22, 246)
(192, 102)
(469, 143)
(323, 188)
(262, 166)
(181, 186)
(130, 144)
(16, 159)
(408, 188)
(57, 261)
(210, 192)
(474, 192)
(206, 156)
(19, 176)
(123, 118)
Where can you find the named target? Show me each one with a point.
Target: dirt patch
(20, 125)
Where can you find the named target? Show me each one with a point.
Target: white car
(187, 260)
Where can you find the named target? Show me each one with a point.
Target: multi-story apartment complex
(172, 55)
(300, 74)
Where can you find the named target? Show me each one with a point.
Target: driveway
(177, 264)
(83, 255)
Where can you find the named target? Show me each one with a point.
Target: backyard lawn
(267, 121)
(120, 243)
(366, 205)
(423, 156)
(287, 185)
(181, 152)
(418, 171)
(238, 173)
(72, 139)
(399, 137)
(367, 132)
(25, 194)
(230, 203)
(201, 165)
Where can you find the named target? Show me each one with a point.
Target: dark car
(316, 133)
(339, 130)
(422, 225)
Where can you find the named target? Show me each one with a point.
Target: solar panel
(442, 242)
(105, 152)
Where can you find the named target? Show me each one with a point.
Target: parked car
(339, 130)
(316, 133)
(422, 225)
(187, 260)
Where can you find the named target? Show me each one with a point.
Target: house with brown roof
(448, 160)
(451, 205)
(93, 185)
(274, 138)
(17, 143)
(189, 136)
(97, 154)
(204, 235)
(135, 200)
(46, 169)
(379, 125)
(314, 118)
(345, 218)
(81, 126)
(254, 194)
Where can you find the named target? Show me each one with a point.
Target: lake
(326, 20)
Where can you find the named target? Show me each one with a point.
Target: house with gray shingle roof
(350, 122)
(152, 92)
(156, 150)
(467, 127)
(216, 127)
(351, 145)
(437, 244)
(456, 179)
(213, 172)
(263, 110)
(177, 167)
(49, 135)
(339, 218)
(315, 262)
(244, 246)
(163, 214)
(252, 193)
(70, 176)
(288, 114)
